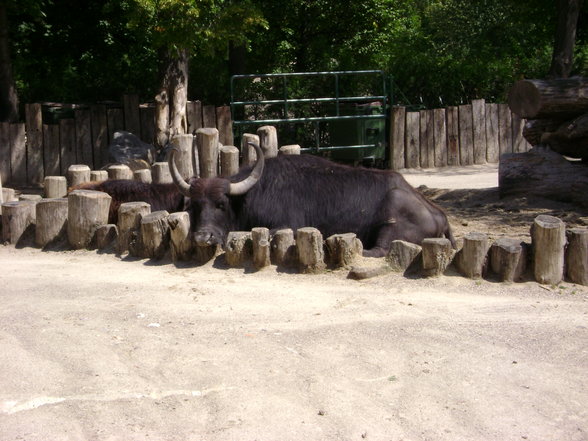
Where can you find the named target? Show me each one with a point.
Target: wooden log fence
(46, 145)
(468, 134)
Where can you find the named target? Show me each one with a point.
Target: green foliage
(439, 52)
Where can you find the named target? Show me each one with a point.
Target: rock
(127, 148)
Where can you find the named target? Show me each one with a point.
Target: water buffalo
(159, 196)
(294, 191)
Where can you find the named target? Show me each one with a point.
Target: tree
(179, 29)
(565, 38)
(8, 93)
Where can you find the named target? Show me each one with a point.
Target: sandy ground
(95, 347)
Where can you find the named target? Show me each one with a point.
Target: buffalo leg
(386, 235)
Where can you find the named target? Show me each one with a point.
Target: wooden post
(5, 152)
(239, 248)
(311, 254)
(106, 236)
(51, 225)
(160, 173)
(229, 160)
(437, 255)
(34, 130)
(479, 131)
(184, 144)
(83, 119)
(142, 175)
(504, 129)
(55, 186)
(207, 142)
(129, 220)
(343, 249)
(492, 133)
(261, 247)
(51, 150)
(427, 143)
(293, 149)
(268, 140)
(440, 137)
(87, 210)
(115, 121)
(147, 120)
(403, 255)
(99, 135)
(119, 171)
(98, 175)
(194, 116)
(209, 116)
(77, 174)
(181, 242)
(155, 234)
(452, 114)
(283, 248)
(577, 255)
(548, 241)
(248, 152)
(131, 114)
(466, 135)
(30, 197)
(18, 221)
(224, 124)
(508, 259)
(412, 143)
(18, 153)
(67, 144)
(471, 260)
(397, 128)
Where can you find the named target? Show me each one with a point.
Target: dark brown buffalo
(159, 196)
(294, 191)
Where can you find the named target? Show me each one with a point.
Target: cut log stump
(129, 220)
(404, 255)
(55, 186)
(472, 259)
(51, 225)
(77, 174)
(577, 255)
(548, 241)
(143, 175)
(229, 160)
(311, 254)
(247, 151)
(106, 236)
(160, 173)
(207, 145)
(98, 175)
(18, 221)
(181, 242)
(283, 248)
(437, 255)
(292, 149)
(87, 210)
(343, 249)
(239, 248)
(261, 247)
(155, 234)
(268, 140)
(508, 259)
(119, 171)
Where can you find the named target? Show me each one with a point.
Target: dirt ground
(95, 347)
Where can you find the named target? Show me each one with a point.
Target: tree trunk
(555, 99)
(170, 101)
(8, 93)
(565, 38)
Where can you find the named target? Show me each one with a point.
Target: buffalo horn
(242, 187)
(182, 185)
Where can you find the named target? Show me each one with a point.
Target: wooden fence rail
(468, 134)
(40, 147)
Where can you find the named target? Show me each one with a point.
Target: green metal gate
(340, 114)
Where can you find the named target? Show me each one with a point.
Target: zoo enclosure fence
(42, 146)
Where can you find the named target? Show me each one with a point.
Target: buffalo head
(211, 200)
